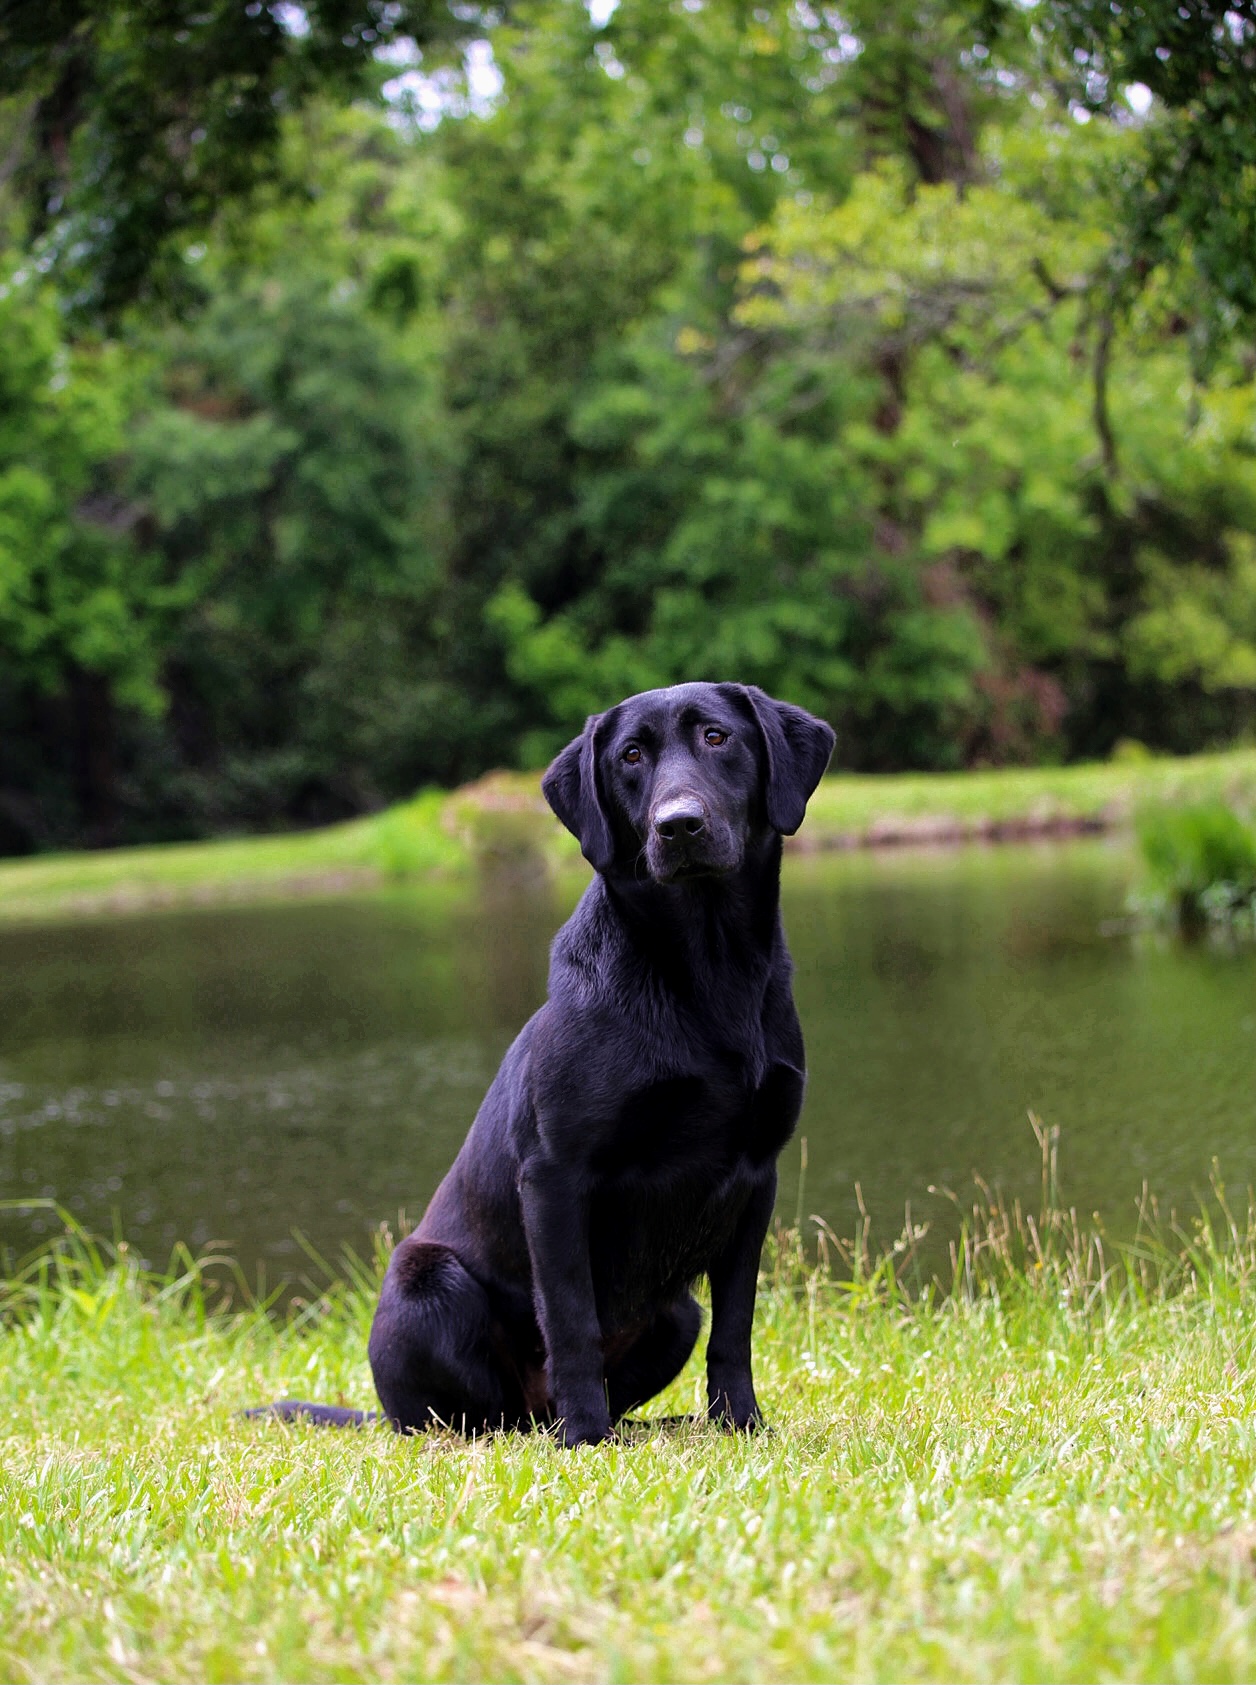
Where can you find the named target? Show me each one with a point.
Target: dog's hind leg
(431, 1347)
(656, 1357)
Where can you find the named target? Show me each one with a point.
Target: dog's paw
(751, 1423)
(588, 1429)
(737, 1414)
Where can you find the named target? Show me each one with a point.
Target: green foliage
(1199, 624)
(1202, 861)
(1190, 848)
(138, 127)
(76, 594)
(737, 340)
(1037, 477)
(268, 525)
(1192, 202)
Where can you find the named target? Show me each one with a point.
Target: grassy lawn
(439, 837)
(1051, 1475)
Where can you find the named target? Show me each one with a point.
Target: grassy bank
(503, 818)
(1050, 1474)
(852, 811)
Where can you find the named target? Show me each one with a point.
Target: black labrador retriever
(628, 1144)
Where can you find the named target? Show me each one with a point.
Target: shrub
(1202, 861)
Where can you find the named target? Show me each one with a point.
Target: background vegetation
(382, 388)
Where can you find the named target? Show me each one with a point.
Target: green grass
(933, 806)
(1047, 1474)
(406, 841)
(503, 819)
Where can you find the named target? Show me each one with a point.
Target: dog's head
(680, 779)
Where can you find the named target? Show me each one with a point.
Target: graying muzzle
(679, 816)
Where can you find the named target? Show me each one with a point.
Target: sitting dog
(628, 1144)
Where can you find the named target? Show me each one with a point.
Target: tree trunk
(94, 768)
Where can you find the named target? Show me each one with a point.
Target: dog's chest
(673, 1179)
(701, 1122)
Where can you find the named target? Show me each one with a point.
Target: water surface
(238, 1075)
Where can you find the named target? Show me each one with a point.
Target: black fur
(628, 1143)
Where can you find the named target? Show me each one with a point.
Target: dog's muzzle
(685, 840)
(677, 820)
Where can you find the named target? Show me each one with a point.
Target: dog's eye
(714, 736)
(632, 754)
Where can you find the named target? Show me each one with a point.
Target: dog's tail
(322, 1415)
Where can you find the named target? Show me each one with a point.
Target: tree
(136, 123)
(1190, 197)
(646, 492)
(995, 445)
(754, 340)
(83, 603)
(219, 552)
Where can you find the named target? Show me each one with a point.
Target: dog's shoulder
(589, 942)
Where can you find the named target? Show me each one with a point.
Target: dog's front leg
(556, 1221)
(734, 1279)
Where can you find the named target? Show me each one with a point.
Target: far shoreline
(500, 823)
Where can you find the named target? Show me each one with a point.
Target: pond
(250, 1075)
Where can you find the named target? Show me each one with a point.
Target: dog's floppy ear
(571, 788)
(798, 747)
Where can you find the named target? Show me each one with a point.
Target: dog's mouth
(681, 866)
(690, 871)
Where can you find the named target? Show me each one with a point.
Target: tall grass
(1000, 1250)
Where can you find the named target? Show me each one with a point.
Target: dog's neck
(728, 925)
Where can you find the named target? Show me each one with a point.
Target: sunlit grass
(1047, 1471)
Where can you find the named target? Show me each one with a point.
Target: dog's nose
(681, 816)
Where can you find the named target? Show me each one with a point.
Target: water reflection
(237, 1074)
(946, 996)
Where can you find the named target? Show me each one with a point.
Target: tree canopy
(134, 123)
(363, 426)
